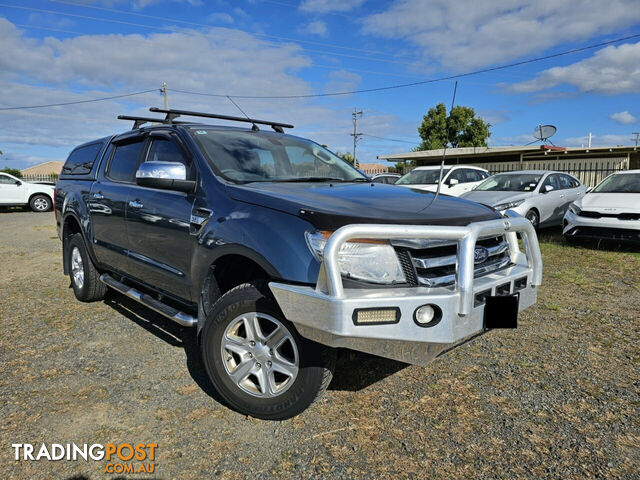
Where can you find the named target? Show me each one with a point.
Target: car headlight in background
(506, 206)
(373, 261)
(575, 209)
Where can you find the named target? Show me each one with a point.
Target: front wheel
(534, 218)
(40, 203)
(257, 360)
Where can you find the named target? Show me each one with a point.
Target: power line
(387, 138)
(113, 97)
(198, 24)
(422, 82)
(351, 92)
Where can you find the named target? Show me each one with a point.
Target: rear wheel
(40, 203)
(534, 218)
(257, 360)
(85, 279)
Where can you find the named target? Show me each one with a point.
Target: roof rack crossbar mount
(171, 114)
(139, 121)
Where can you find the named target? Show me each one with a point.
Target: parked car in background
(456, 180)
(16, 192)
(541, 196)
(389, 178)
(610, 211)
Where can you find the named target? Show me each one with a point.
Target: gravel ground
(557, 398)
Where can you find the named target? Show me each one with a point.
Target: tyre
(40, 203)
(534, 218)
(256, 359)
(85, 279)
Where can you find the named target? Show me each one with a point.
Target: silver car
(541, 196)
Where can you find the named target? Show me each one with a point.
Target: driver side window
(553, 181)
(4, 180)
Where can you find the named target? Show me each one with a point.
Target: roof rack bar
(138, 121)
(171, 114)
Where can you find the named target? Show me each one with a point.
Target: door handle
(135, 204)
(98, 196)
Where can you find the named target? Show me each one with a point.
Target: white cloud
(624, 118)
(461, 34)
(612, 70)
(328, 6)
(315, 28)
(219, 17)
(342, 81)
(218, 60)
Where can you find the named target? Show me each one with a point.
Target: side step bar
(171, 313)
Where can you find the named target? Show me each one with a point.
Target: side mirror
(165, 176)
(18, 183)
(547, 188)
(453, 181)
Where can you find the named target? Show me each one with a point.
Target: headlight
(374, 261)
(507, 206)
(575, 209)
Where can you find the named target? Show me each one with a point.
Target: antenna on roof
(254, 127)
(444, 152)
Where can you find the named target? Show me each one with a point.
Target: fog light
(376, 316)
(427, 315)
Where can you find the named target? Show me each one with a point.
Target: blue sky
(61, 51)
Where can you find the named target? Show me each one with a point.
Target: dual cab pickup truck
(279, 252)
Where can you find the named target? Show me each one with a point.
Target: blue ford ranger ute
(279, 252)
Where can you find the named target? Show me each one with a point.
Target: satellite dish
(543, 132)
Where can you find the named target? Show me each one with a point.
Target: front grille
(604, 233)
(620, 216)
(434, 265)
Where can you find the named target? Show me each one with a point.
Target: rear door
(108, 202)
(157, 224)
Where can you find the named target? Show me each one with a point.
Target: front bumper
(604, 228)
(325, 313)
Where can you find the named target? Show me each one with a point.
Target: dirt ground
(557, 398)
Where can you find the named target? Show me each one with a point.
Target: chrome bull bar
(330, 278)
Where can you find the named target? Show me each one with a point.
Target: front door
(11, 190)
(551, 202)
(160, 245)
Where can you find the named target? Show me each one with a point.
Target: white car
(16, 192)
(611, 211)
(456, 179)
(541, 196)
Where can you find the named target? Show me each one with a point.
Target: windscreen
(422, 177)
(620, 183)
(243, 157)
(511, 182)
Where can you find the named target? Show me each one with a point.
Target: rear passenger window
(125, 161)
(81, 160)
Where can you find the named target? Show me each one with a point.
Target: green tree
(461, 128)
(347, 157)
(12, 171)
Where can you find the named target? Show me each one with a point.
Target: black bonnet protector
(331, 206)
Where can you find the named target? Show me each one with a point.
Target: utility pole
(356, 135)
(164, 93)
(589, 143)
(637, 134)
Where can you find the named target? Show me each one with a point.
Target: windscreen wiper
(310, 179)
